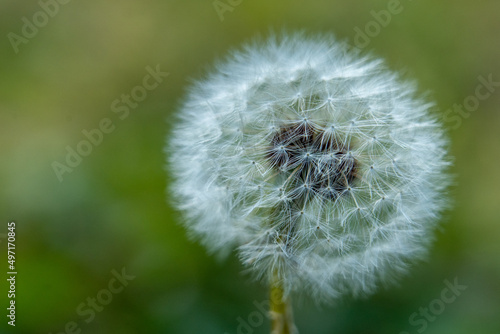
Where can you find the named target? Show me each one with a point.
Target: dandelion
(318, 165)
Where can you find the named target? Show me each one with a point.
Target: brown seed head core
(313, 158)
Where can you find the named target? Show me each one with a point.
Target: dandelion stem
(281, 309)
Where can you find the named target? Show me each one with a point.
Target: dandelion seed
(343, 148)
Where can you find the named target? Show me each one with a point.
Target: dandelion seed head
(314, 162)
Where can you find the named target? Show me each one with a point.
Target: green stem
(281, 309)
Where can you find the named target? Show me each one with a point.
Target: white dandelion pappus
(318, 164)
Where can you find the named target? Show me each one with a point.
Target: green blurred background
(111, 211)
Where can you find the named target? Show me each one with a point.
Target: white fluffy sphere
(316, 163)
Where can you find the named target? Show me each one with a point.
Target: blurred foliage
(112, 211)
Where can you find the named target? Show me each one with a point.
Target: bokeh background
(112, 212)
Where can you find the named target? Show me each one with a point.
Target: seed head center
(312, 157)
